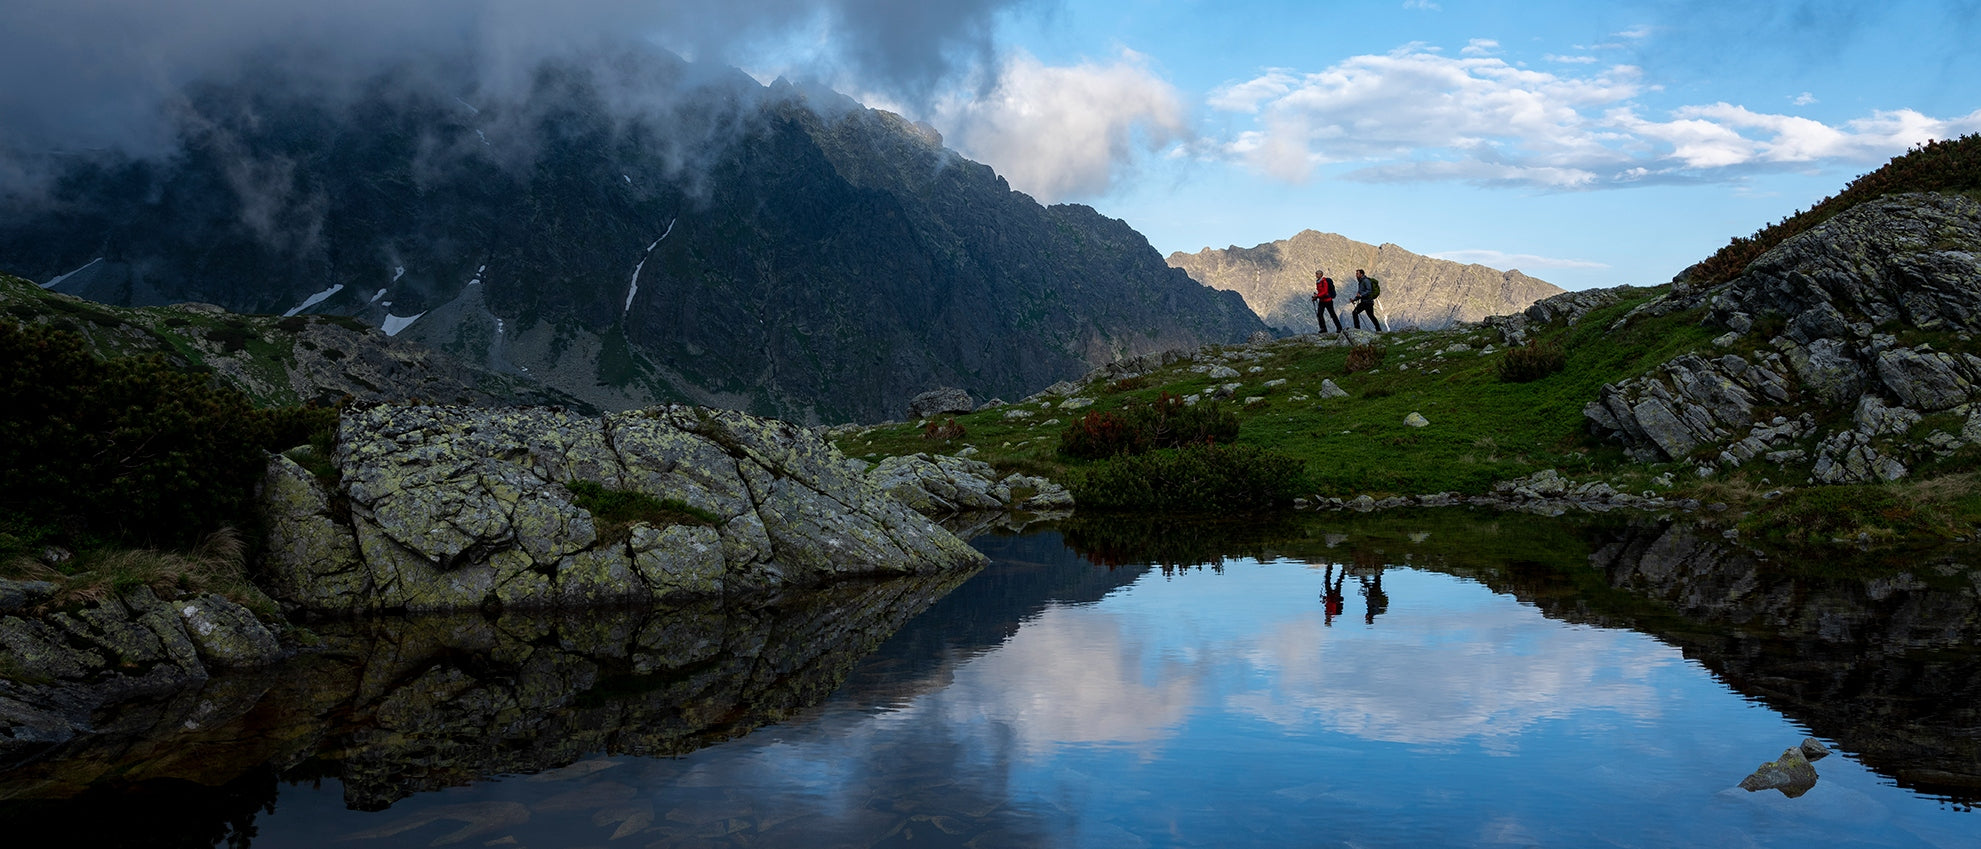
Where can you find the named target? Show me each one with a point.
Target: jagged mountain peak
(628, 233)
(1277, 277)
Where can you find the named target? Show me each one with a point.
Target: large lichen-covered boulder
(450, 508)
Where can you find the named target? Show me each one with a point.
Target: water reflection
(1337, 681)
(395, 707)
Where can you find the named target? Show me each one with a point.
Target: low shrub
(945, 430)
(232, 337)
(1363, 358)
(1532, 361)
(1193, 478)
(1166, 422)
(127, 451)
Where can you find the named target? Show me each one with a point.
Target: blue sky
(1589, 144)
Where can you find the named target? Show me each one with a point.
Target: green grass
(1482, 429)
(617, 510)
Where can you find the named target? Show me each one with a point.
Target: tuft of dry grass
(218, 564)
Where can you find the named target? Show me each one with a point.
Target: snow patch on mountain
(395, 323)
(57, 279)
(315, 299)
(635, 288)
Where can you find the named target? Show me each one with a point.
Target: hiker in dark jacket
(1324, 302)
(1366, 291)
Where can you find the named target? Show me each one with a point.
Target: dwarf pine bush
(127, 450)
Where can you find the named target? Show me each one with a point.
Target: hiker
(1324, 302)
(1366, 292)
(1372, 592)
(1331, 599)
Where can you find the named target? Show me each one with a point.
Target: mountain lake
(1404, 679)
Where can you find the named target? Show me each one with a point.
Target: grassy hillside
(1481, 429)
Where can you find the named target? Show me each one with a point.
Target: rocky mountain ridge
(277, 360)
(1276, 279)
(776, 249)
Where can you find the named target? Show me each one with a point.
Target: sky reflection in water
(1221, 709)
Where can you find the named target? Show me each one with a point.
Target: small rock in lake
(1792, 774)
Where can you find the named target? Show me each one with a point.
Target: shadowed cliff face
(775, 250)
(1276, 279)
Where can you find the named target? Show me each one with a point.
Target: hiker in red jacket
(1324, 302)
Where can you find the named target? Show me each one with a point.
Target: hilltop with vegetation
(1828, 391)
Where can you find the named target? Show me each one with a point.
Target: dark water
(1473, 682)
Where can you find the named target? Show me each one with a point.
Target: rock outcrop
(945, 401)
(1821, 319)
(452, 508)
(1276, 279)
(940, 486)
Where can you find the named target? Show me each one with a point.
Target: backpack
(1375, 289)
(1324, 289)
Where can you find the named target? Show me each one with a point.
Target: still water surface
(1267, 701)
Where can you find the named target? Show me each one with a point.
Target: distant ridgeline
(1276, 279)
(780, 250)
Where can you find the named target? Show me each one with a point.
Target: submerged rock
(452, 508)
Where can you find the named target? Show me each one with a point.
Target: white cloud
(1641, 31)
(1502, 259)
(1480, 47)
(1060, 132)
(1246, 96)
(1485, 694)
(1803, 99)
(1425, 5)
(1570, 60)
(1048, 700)
(1416, 115)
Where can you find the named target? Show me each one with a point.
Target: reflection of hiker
(1324, 302)
(1366, 292)
(1331, 599)
(1372, 593)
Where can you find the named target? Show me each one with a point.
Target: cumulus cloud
(1414, 115)
(1062, 132)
